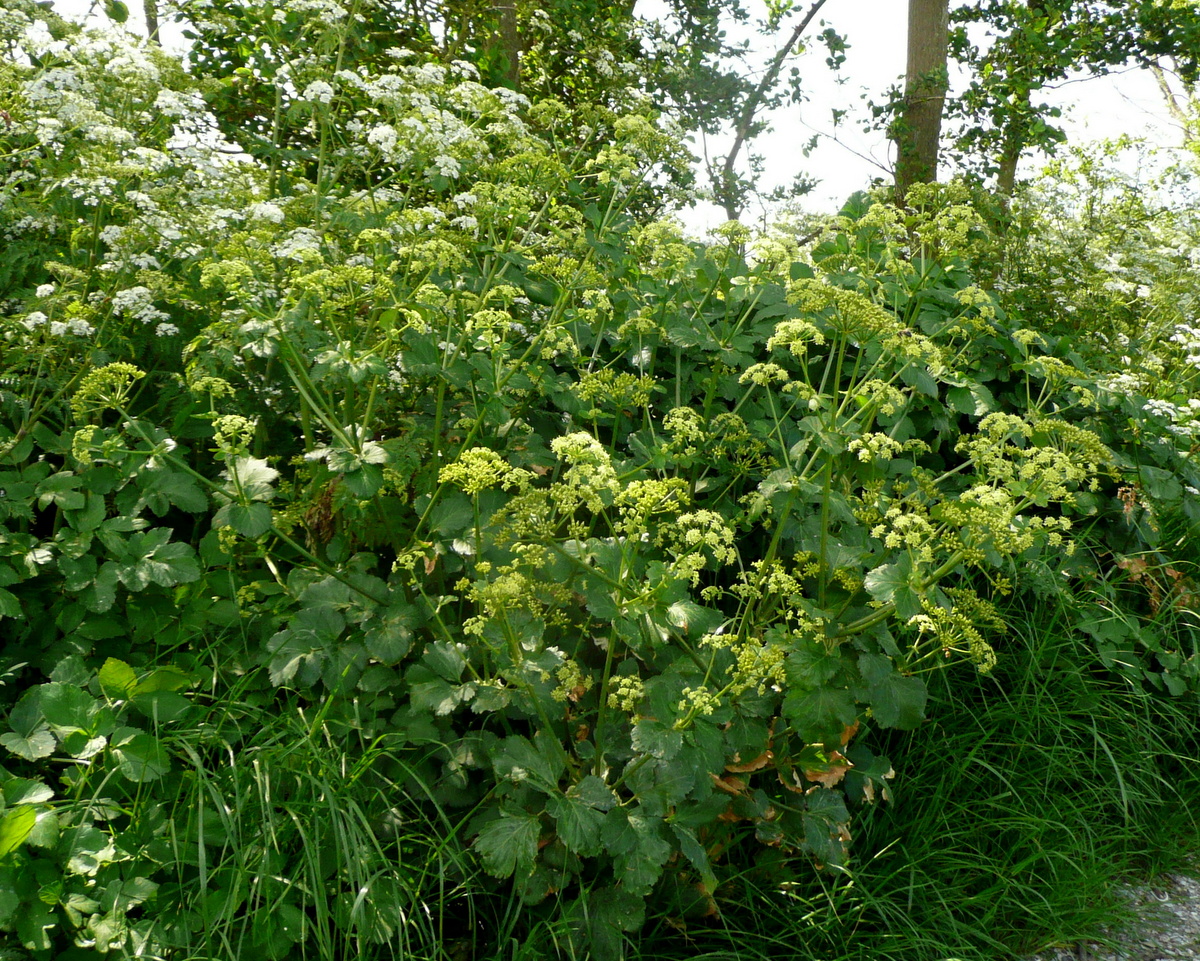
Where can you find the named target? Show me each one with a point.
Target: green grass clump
(1023, 804)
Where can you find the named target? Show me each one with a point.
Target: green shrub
(604, 549)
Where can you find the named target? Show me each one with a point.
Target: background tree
(1037, 44)
(918, 128)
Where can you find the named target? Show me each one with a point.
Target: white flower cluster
(137, 303)
(1184, 419)
(57, 328)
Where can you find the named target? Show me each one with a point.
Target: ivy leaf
(578, 824)
(896, 701)
(15, 826)
(508, 845)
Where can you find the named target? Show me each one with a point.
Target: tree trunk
(150, 8)
(509, 41)
(920, 124)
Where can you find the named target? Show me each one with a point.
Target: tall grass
(1022, 805)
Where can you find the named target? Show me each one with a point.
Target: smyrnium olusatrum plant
(614, 540)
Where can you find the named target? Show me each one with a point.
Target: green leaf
(34, 923)
(593, 791)
(896, 701)
(9, 605)
(140, 757)
(67, 708)
(32, 746)
(365, 482)
(508, 845)
(892, 582)
(251, 478)
(597, 922)
(162, 707)
(428, 692)
(577, 823)
(165, 488)
(638, 868)
(810, 664)
(388, 636)
(117, 679)
(102, 594)
(250, 520)
(26, 715)
(519, 758)
(694, 851)
(21, 790)
(61, 489)
(820, 715)
(87, 850)
(166, 678)
(975, 400)
(651, 736)
(152, 559)
(445, 659)
(692, 619)
(15, 826)
(294, 658)
(453, 514)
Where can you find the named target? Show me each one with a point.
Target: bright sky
(848, 157)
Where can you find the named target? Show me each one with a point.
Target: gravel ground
(1169, 930)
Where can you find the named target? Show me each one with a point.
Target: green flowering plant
(613, 542)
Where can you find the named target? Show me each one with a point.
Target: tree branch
(742, 130)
